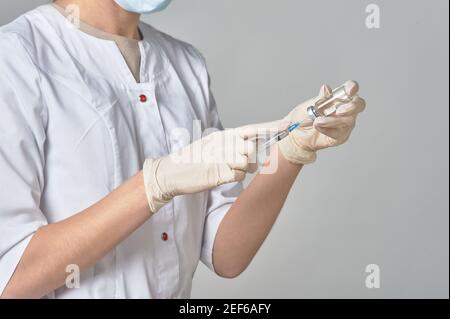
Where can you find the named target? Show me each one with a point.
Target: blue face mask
(143, 6)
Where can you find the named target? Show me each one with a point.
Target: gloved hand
(300, 146)
(219, 158)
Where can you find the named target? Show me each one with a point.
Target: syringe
(279, 136)
(265, 147)
(322, 107)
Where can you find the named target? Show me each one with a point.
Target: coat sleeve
(220, 199)
(22, 160)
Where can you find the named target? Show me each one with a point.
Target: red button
(164, 236)
(143, 98)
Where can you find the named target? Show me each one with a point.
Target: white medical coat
(74, 125)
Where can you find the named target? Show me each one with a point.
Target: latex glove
(300, 146)
(265, 131)
(219, 158)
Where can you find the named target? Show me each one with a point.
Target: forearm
(251, 218)
(82, 239)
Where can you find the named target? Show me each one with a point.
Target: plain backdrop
(380, 199)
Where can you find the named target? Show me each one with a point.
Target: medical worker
(93, 177)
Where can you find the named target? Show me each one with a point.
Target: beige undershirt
(128, 47)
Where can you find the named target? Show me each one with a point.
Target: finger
(351, 88)
(240, 162)
(247, 132)
(240, 146)
(306, 123)
(325, 91)
(356, 106)
(334, 136)
(335, 122)
(229, 175)
(247, 147)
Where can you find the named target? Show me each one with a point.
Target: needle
(281, 135)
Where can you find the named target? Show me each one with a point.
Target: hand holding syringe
(323, 107)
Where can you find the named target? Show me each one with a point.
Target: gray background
(383, 197)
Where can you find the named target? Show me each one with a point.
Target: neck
(107, 16)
